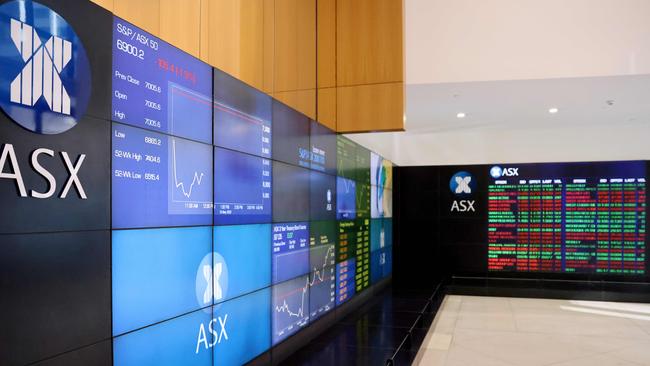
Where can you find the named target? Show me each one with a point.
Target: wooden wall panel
(295, 45)
(338, 61)
(180, 24)
(301, 100)
(204, 30)
(106, 4)
(268, 52)
(374, 107)
(326, 108)
(369, 41)
(326, 45)
(235, 38)
(143, 13)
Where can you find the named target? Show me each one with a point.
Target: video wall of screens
(567, 218)
(236, 220)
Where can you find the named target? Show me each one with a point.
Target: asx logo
(498, 172)
(462, 184)
(211, 287)
(45, 83)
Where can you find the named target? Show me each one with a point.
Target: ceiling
(599, 118)
(504, 63)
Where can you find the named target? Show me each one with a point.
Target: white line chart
(348, 184)
(284, 308)
(318, 275)
(196, 179)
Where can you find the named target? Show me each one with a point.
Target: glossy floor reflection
(369, 335)
(500, 331)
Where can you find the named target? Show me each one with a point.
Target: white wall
(477, 40)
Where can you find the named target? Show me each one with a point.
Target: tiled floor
(500, 331)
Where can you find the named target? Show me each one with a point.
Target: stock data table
(570, 225)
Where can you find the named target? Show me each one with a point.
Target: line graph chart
(290, 307)
(322, 280)
(195, 180)
(346, 198)
(190, 176)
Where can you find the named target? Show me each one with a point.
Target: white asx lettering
(222, 335)
(8, 157)
(463, 206)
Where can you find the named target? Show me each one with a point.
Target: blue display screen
(242, 188)
(345, 285)
(246, 253)
(381, 234)
(179, 341)
(242, 116)
(381, 171)
(290, 193)
(290, 136)
(290, 307)
(159, 180)
(322, 256)
(154, 274)
(322, 196)
(381, 202)
(381, 264)
(246, 322)
(322, 296)
(290, 250)
(323, 148)
(159, 87)
(346, 199)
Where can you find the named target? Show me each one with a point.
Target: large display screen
(290, 193)
(290, 136)
(159, 87)
(290, 250)
(185, 340)
(363, 200)
(381, 202)
(362, 171)
(346, 198)
(242, 188)
(242, 116)
(381, 171)
(192, 220)
(241, 328)
(346, 158)
(345, 261)
(290, 307)
(245, 251)
(323, 148)
(155, 274)
(322, 193)
(159, 180)
(362, 254)
(322, 264)
(569, 218)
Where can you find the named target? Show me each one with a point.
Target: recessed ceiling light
(553, 110)
(460, 115)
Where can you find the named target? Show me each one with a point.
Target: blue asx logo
(462, 183)
(45, 81)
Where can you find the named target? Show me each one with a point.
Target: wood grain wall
(338, 61)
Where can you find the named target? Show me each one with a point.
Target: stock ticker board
(568, 218)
